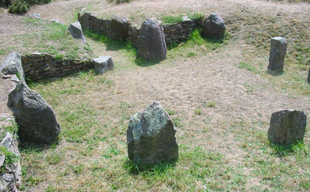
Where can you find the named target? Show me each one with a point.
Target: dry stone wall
(38, 66)
(176, 32)
(179, 32)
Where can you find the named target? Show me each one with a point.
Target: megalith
(287, 127)
(151, 40)
(13, 65)
(214, 26)
(277, 53)
(76, 30)
(308, 78)
(118, 28)
(151, 136)
(102, 64)
(35, 118)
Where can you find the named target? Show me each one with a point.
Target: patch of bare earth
(183, 84)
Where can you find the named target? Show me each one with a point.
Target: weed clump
(21, 6)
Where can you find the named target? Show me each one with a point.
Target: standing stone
(151, 41)
(308, 76)
(287, 127)
(103, 63)
(76, 30)
(13, 65)
(277, 53)
(35, 118)
(151, 136)
(118, 28)
(214, 26)
(85, 20)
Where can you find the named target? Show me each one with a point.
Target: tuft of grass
(211, 104)
(244, 65)
(198, 111)
(170, 112)
(170, 19)
(9, 156)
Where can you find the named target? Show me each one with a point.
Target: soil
(184, 86)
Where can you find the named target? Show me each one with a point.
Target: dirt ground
(186, 84)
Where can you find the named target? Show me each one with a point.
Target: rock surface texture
(277, 53)
(151, 41)
(76, 30)
(118, 27)
(287, 127)
(103, 63)
(10, 174)
(34, 16)
(214, 26)
(35, 118)
(308, 78)
(13, 65)
(151, 136)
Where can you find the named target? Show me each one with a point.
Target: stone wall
(38, 66)
(179, 32)
(176, 32)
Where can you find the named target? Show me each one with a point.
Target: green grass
(218, 150)
(51, 38)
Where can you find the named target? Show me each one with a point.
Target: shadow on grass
(32, 83)
(27, 147)
(112, 45)
(138, 168)
(275, 72)
(284, 150)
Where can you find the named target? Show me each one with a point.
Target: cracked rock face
(151, 41)
(287, 127)
(151, 136)
(35, 118)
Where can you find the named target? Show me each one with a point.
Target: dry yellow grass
(222, 110)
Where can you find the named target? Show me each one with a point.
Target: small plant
(191, 54)
(9, 156)
(170, 112)
(211, 104)
(244, 65)
(172, 19)
(196, 15)
(58, 57)
(177, 122)
(198, 111)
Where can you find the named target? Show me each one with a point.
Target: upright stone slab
(118, 28)
(13, 65)
(214, 26)
(308, 79)
(35, 118)
(85, 20)
(76, 30)
(277, 53)
(103, 63)
(151, 136)
(151, 41)
(287, 127)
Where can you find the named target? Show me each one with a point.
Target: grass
(51, 38)
(223, 143)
